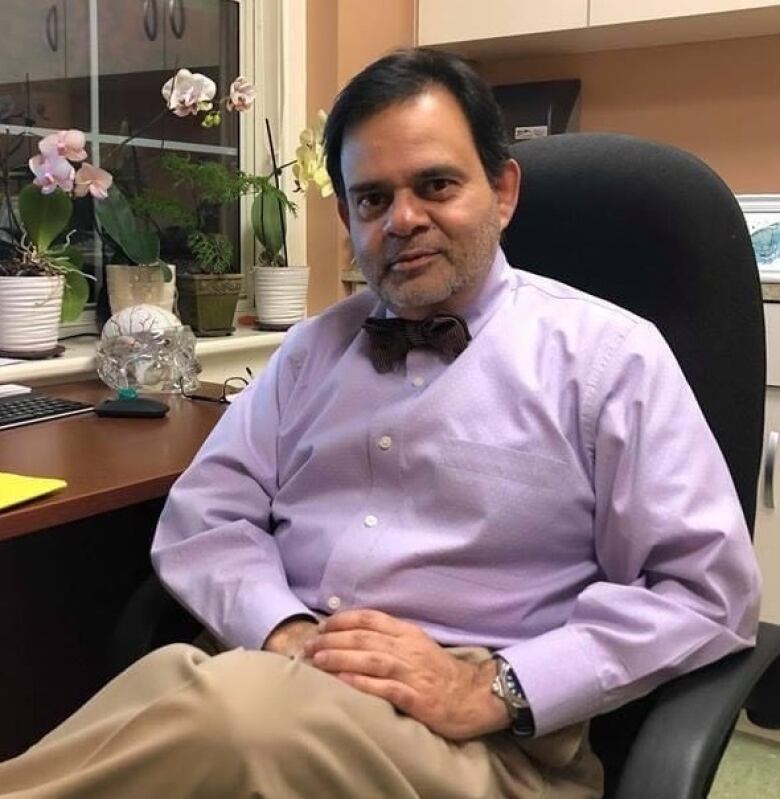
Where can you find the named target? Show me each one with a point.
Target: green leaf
(144, 248)
(268, 223)
(213, 251)
(44, 216)
(74, 257)
(150, 205)
(75, 295)
(115, 218)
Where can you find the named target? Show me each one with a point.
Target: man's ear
(507, 191)
(343, 209)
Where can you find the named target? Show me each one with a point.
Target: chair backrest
(654, 230)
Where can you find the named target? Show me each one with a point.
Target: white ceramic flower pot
(30, 309)
(131, 284)
(280, 295)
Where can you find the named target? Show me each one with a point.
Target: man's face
(423, 218)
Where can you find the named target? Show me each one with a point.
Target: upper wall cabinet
(47, 42)
(446, 21)
(191, 38)
(142, 35)
(610, 12)
(491, 29)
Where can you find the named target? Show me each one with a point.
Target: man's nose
(406, 215)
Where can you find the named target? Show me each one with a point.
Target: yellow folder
(16, 488)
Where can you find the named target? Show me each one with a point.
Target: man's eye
(438, 187)
(371, 203)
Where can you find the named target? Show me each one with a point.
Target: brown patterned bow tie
(391, 339)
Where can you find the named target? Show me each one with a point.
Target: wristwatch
(507, 688)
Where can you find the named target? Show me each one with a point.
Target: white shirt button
(334, 603)
(418, 381)
(370, 520)
(385, 442)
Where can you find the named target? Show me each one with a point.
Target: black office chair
(654, 230)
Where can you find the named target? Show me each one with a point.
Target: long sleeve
(213, 548)
(679, 585)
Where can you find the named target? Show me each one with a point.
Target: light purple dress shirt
(555, 493)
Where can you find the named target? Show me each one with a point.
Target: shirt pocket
(516, 466)
(505, 513)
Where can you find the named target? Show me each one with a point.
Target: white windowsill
(78, 360)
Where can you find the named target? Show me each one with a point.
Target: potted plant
(208, 287)
(208, 292)
(281, 288)
(41, 280)
(143, 279)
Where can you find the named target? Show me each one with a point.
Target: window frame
(273, 43)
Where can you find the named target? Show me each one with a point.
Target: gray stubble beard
(466, 268)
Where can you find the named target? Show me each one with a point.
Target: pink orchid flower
(52, 172)
(189, 92)
(92, 180)
(242, 94)
(65, 144)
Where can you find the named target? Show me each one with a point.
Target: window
(98, 65)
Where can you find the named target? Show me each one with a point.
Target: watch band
(507, 687)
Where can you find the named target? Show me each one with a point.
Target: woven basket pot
(280, 295)
(30, 309)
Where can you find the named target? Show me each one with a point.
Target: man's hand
(288, 638)
(399, 662)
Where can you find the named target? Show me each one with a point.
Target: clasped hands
(397, 661)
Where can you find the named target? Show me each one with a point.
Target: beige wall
(719, 100)
(343, 36)
(321, 43)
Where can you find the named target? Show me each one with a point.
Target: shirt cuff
(559, 678)
(258, 615)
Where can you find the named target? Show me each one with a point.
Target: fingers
(402, 696)
(364, 619)
(372, 664)
(364, 640)
(362, 631)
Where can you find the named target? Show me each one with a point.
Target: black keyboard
(28, 408)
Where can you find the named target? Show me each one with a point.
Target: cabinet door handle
(53, 28)
(769, 468)
(150, 19)
(176, 17)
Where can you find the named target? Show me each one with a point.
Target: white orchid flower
(188, 93)
(242, 94)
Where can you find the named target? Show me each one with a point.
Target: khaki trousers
(182, 723)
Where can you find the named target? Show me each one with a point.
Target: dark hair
(402, 75)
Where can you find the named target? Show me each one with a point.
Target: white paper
(12, 389)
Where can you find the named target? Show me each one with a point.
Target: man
(432, 551)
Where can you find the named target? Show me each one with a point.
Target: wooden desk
(69, 562)
(108, 463)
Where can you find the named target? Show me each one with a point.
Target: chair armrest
(151, 618)
(678, 748)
